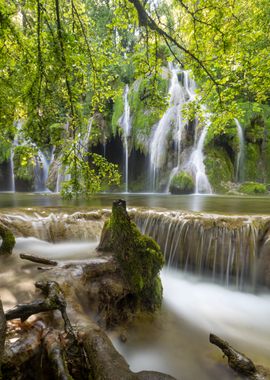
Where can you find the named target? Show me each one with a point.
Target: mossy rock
(182, 183)
(8, 241)
(138, 256)
(219, 168)
(252, 188)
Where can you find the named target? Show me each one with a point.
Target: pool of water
(193, 202)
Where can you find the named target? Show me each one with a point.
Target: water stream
(240, 156)
(125, 123)
(175, 340)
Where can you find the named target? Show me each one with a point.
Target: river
(175, 340)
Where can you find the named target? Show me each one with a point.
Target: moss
(8, 241)
(118, 109)
(24, 163)
(147, 104)
(252, 188)
(252, 161)
(139, 256)
(182, 183)
(219, 168)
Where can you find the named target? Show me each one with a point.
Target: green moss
(252, 188)
(118, 109)
(8, 241)
(147, 104)
(252, 162)
(24, 162)
(5, 149)
(219, 168)
(139, 256)
(182, 183)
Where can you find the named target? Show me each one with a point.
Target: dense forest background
(65, 66)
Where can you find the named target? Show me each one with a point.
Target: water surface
(193, 202)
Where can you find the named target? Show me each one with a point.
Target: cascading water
(189, 87)
(41, 171)
(171, 118)
(228, 249)
(125, 123)
(12, 175)
(240, 155)
(196, 163)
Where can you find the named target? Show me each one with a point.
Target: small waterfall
(240, 156)
(189, 87)
(171, 118)
(12, 175)
(196, 164)
(125, 123)
(41, 172)
(222, 247)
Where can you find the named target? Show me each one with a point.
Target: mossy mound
(138, 256)
(8, 241)
(219, 168)
(252, 188)
(182, 183)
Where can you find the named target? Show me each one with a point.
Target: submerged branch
(38, 259)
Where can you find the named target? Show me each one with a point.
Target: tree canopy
(62, 63)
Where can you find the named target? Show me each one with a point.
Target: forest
(134, 189)
(65, 69)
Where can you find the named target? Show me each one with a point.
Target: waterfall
(240, 155)
(222, 247)
(125, 123)
(12, 175)
(41, 171)
(196, 163)
(232, 250)
(189, 87)
(171, 118)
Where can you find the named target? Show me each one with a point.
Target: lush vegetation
(65, 64)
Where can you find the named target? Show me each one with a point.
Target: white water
(240, 155)
(125, 123)
(172, 118)
(41, 172)
(177, 340)
(12, 175)
(197, 167)
(189, 89)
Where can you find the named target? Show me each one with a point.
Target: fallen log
(56, 355)
(239, 362)
(25, 347)
(38, 259)
(88, 351)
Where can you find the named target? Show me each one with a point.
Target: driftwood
(27, 345)
(56, 356)
(83, 353)
(239, 362)
(38, 259)
(54, 300)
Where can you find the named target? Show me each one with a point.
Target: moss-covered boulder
(139, 257)
(182, 183)
(219, 168)
(8, 240)
(252, 188)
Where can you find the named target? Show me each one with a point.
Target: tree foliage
(64, 62)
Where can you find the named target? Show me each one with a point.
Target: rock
(182, 183)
